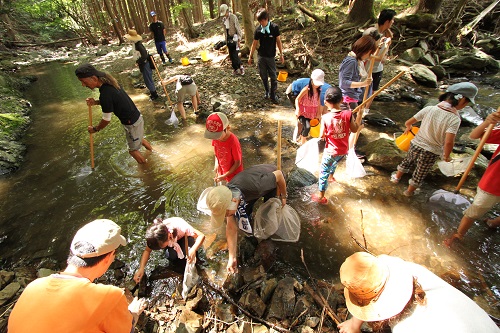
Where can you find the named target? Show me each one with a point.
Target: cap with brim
(87, 70)
(318, 77)
(133, 36)
(153, 13)
(223, 9)
(215, 125)
(104, 235)
(376, 288)
(466, 89)
(218, 200)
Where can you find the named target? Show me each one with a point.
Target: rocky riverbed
(264, 294)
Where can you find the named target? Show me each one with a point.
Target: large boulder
(383, 153)
(423, 75)
(283, 300)
(473, 60)
(413, 55)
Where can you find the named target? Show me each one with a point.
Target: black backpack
(185, 80)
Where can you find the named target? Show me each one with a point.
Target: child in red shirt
(335, 128)
(488, 189)
(228, 156)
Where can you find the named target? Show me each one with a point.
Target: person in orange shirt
(69, 301)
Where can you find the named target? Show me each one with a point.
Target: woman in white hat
(387, 291)
(143, 62)
(233, 34)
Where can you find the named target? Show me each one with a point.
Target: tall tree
(361, 12)
(427, 6)
(114, 20)
(248, 25)
(211, 8)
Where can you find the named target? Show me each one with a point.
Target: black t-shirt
(157, 29)
(255, 182)
(267, 41)
(118, 102)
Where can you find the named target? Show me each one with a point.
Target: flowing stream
(55, 192)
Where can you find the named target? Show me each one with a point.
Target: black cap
(87, 70)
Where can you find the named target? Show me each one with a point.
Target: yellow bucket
(282, 75)
(314, 132)
(403, 141)
(185, 61)
(204, 55)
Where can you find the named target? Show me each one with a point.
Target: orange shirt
(63, 304)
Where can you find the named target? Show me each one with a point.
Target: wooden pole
(91, 140)
(159, 76)
(369, 99)
(360, 115)
(278, 153)
(474, 157)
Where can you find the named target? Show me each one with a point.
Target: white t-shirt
(436, 122)
(447, 308)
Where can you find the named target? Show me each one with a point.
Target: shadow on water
(56, 192)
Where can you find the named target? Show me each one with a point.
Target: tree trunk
(248, 23)
(122, 5)
(309, 13)
(427, 6)
(165, 13)
(186, 17)
(362, 11)
(133, 11)
(211, 8)
(112, 17)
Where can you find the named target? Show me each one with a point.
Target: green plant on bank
(176, 10)
(398, 5)
(11, 123)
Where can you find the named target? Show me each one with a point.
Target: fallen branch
(309, 13)
(321, 302)
(244, 311)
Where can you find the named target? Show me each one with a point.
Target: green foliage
(176, 10)
(10, 123)
(397, 5)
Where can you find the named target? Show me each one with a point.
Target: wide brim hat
(376, 288)
(132, 36)
(218, 200)
(466, 89)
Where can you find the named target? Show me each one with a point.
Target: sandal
(394, 179)
(447, 242)
(316, 198)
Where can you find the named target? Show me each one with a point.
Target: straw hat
(376, 288)
(218, 201)
(132, 36)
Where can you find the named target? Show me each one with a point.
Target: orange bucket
(282, 75)
(403, 141)
(314, 132)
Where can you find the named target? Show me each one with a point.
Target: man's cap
(104, 235)
(223, 9)
(87, 70)
(133, 36)
(216, 123)
(318, 77)
(218, 200)
(466, 89)
(153, 13)
(376, 288)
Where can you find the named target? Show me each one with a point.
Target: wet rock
(7, 293)
(265, 254)
(439, 71)
(472, 60)
(189, 322)
(413, 55)
(233, 282)
(225, 312)
(254, 328)
(267, 289)
(312, 322)
(251, 301)
(385, 97)
(423, 75)
(283, 300)
(410, 96)
(43, 272)
(6, 278)
(428, 60)
(246, 248)
(303, 302)
(470, 116)
(252, 274)
(305, 329)
(376, 119)
(299, 178)
(383, 153)
(24, 275)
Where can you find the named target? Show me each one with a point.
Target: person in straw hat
(70, 301)
(235, 202)
(143, 62)
(386, 291)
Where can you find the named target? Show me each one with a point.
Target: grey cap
(465, 89)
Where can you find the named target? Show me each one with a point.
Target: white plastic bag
(190, 278)
(454, 167)
(353, 165)
(173, 119)
(308, 156)
(279, 223)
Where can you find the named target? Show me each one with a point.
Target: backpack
(219, 45)
(185, 80)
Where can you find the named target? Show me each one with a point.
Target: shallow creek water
(55, 192)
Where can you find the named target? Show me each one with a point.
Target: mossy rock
(383, 153)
